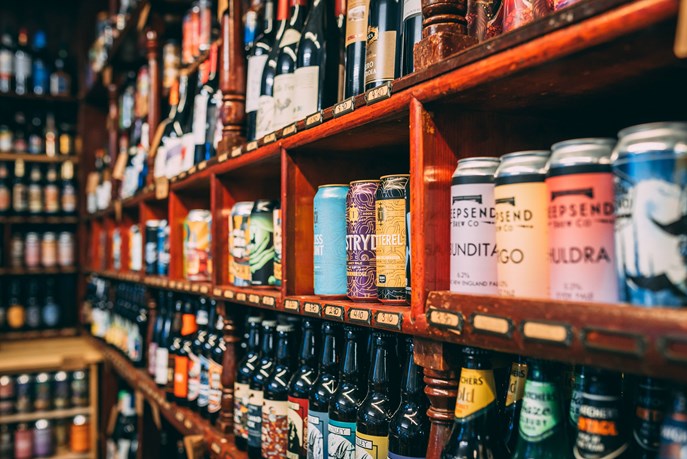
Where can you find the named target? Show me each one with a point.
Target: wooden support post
(232, 77)
(441, 378)
(225, 422)
(154, 92)
(444, 31)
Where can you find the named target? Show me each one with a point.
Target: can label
(393, 248)
(329, 250)
(371, 446)
(521, 238)
(476, 393)
(599, 430)
(239, 237)
(298, 428)
(215, 395)
(254, 424)
(317, 434)
(341, 439)
(241, 393)
(674, 437)
(361, 238)
(649, 409)
(197, 258)
(275, 428)
(473, 237)
(276, 217)
(163, 250)
(581, 237)
(540, 415)
(649, 229)
(261, 247)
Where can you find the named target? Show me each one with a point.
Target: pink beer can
(581, 221)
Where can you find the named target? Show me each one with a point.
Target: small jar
(32, 250)
(43, 445)
(80, 435)
(6, 394)
(16, 251)
(79, 389)
(65, 249)
(49, 250)
(41, 391)
(23, 442)
(61, 390)
(22, 388)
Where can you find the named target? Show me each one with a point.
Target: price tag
(292, 305)
(202, 165)
(229, 294)
(548, 332)
(182, 176)
(392, 320)
(490, 324)
(217, 292)
(313, 120)
(161, 188)
(187, 287)
(192, 170)
(240, 296)
(236, 151)
(334, 312)
(250, 146)
(173, 285)
(179, 416)
(188, 424)
(446, 320)
(269, 138)
(269, 301)
(253, 298)
(361, 316)
(291, 129)
(223, 157)
(204, 289)
(312, 309)
(379, 93)
(346, 106)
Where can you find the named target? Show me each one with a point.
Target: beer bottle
(322, 392)
(215, 372)
(650, 404)
(674, 429)
(372, 423)
(542, 426)
(343, 407)
(578, 386)
(275, 406)
(194, 354)
(409, 426)
(601, 428)
(241, 385)
(174, 346)
(474, 433)
(513, 403)
(181, 359)
(204, 356)
(263, 370)
(299, 392)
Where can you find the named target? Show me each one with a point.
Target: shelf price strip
(446, 320)
(312, 309)
(492, 325)
(334, 312)
(547, 332)
(292, 305)
(360, 316)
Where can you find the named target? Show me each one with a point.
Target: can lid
(152, 223)
(478, 165)
(581, 151)
(394, 175)
(365, 181)
(79, 420)
(523, 164)
(650, 129)
(333, 185)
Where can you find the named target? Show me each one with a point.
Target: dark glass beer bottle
(275, 407)
(174, 346)
(322, 392)
(372, 423)
(409, 426)
(194, 362)
(263, 370)
(513, 404)
(241, 385)
(382, 56)
(674, 429)
(474, 433)
(601, 427)
(215, 372)
(204, 356)
(181, 356)
(578, 386)
(343, 407)
(650, 405)
(542, 427)
(299, 392)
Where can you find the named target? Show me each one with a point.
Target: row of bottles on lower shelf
(34, 309)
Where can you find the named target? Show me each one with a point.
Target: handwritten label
(312, 309)
(215, 448)
(361, 316)
(180, 416)
(192, 170)
(172, 285)
(269, 138)
(195, 288)
(236, 151)
(188, 424)
(229, 294)
(544, 331)
(161, 188)
(216, 292)
(250, 146)
(253, 298)
(447, 320)
(202, 165)
(204, 289)
(334, 312)
(374, 95)
(346, 106)
(391, 320)
(223, 157)
(292, 305)
(491, 324)
(182, 175)
(240, 296)
(313, 120)
(291, 129)
(269, 301)
(186, 287)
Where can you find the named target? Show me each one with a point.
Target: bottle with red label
(174, 341)
(299, 391)
(194, 354)
(182, 348)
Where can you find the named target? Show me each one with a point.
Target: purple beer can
(361, 233)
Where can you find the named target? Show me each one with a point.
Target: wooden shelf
(38, 334)
(40, 158)
(32, 98)
(16, 219)
(36, 415)
(37, 271)
(184, 420)
(47, 354)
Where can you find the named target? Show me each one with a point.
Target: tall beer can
(473, 230)
(261, 246)
(197, 241)
(276, 222)
(150, 248)
(581, 221)
(163, 248)
(521, 226)
(361, 235)
(239, 238)
(329, 247)
(650, 167)
(393, 239)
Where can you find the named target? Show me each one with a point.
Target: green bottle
(542, 429)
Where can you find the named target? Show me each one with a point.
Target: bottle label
(540, 413)
(674, 437)
(193, 377)
(341, 439)
(298, 428)
(219, 123)
(380, 61)
(19, 198)
(241, 393)
(161, 360)
(284, 88)
(35, 199)
(599, 428)
(411, 8)
(649, 409)
(575, 402)
(215, 395)
(16, 316)
(516, 384)
(291, 37)
(356, 21)
(256, 65)
(371, 446)
(68, 199)
(265, 116)
(200, 111)
(255, 399)
(204, 389)
(275, 428)
(5, 64)
(306, 91)
(318, 422)
(476, 392)
(5, 198)
(51, 199)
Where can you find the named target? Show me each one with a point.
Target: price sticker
(378, 94)
(344, 107)
(334, 312)
(292, 305)
(361, 316)
(312, 309)
(392, 320)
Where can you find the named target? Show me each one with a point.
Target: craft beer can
(473, 233)
(650, 168)
(393, 239)
(163, 248)
(239, 238)
(276, 222)
(361, 235)
(521, 225)
(261, 245)
(197, 240)
(151, 249)
(329, 248)
(581, 219)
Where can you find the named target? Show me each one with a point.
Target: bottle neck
(307, 355)
(329, 359)
(254, 338)
(268, 18)
(352, 361)
(411, 379)
(284, 354)
(268, 342)
(379, 372)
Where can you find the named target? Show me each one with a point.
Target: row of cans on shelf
(255, 244)
(156, 248)
(592, 220)
(361, 241)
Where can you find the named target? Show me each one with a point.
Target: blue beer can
(329, 249)
(650, 173)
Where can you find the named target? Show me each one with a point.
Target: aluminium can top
(669, 137)
(522, 166)
(581, 152)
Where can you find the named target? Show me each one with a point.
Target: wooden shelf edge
(39, 220)
(38, 334)
(38, 158)
(53, 414)
(37, 271)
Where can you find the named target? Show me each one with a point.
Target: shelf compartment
(53, 414)
(40, 158)
(38, 334)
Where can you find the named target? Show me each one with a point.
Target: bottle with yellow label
(474, 433)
